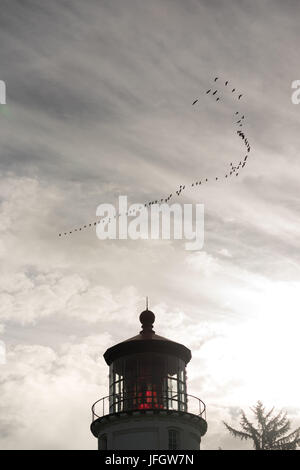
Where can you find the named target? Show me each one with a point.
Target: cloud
(45, 392)
(225, 252)
(26, 298)
(99, 104)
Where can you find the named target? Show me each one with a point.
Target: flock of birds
(216, 91)
(232, 170)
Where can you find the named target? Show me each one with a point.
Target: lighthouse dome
(147, 341)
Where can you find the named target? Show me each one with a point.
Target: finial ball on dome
(147, 319)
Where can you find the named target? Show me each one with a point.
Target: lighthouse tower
(148, 406)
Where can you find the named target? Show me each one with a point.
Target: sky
(99, 104)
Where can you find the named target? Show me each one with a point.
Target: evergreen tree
(271, 431)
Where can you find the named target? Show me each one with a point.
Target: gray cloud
(99, 104)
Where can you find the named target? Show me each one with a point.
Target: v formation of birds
(234, 168)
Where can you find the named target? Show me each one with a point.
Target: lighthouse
(148, 407)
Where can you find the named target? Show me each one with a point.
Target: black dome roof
(147, 341)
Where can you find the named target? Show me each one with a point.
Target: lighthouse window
(147, 381)
(173, 439)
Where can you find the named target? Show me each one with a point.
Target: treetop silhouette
(271, 431)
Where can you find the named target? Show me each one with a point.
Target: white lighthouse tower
(148, 406)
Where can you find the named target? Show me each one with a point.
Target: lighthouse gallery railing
(131, 402)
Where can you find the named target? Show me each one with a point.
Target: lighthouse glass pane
(147, 381)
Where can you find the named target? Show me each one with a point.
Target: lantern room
(148, 392)
(147, 371)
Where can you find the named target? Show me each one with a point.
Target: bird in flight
(226, 83)
(216, 79)
(195, 102)
(232, 90)
(240, 97)
(208, 91)
(215, 92)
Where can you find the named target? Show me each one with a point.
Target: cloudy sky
(99, 100)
